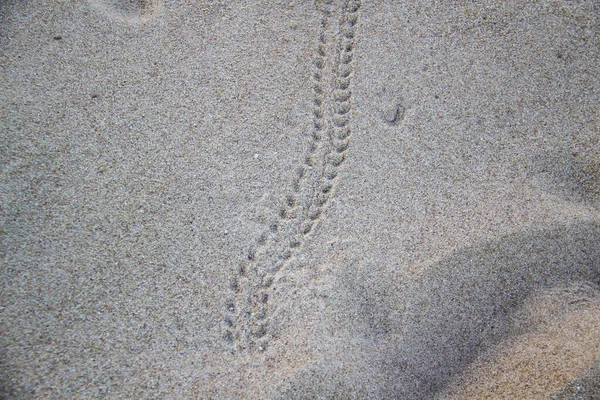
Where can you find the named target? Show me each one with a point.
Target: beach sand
(289, 200)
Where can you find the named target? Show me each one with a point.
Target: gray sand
(299, 199)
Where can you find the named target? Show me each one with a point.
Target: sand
(329, 199)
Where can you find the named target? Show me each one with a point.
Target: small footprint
(128, 11)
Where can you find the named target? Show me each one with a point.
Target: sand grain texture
(329, 199)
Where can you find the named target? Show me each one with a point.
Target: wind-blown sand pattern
(290, 200)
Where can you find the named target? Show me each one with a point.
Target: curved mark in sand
(462, 311)
(128, 11)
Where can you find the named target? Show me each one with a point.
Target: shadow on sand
(463, 304)
(427, 331)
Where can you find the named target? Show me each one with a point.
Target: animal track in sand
(246, 325)
(129, 11)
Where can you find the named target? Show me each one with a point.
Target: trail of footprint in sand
(246, 326)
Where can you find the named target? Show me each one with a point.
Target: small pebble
(393, 113)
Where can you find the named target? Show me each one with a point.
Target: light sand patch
(562, 345)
